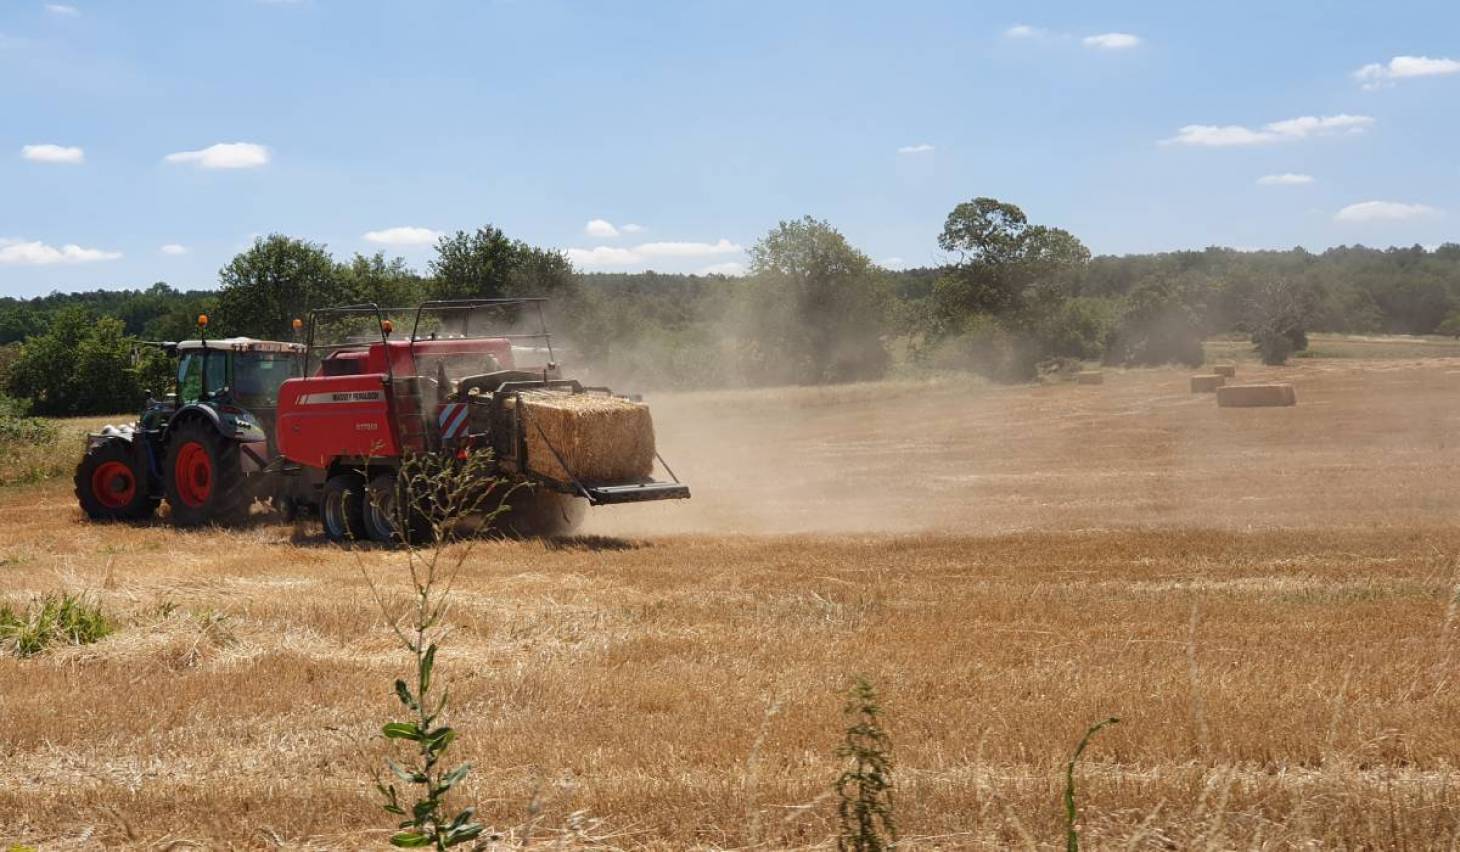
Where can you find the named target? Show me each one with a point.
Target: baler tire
(109, 486)
(342, 508)
(381, 518)
(204, 478)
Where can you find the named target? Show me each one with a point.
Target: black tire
(382, 496)
(536, 512)
(342, 508)
(204, 477)
(111, 484)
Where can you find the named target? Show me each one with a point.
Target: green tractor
(205, 448)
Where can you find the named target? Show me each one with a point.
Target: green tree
(1005, 265)
(276, 280)
(486, 264)
(80, 366)
(388, 283)
(819, 307)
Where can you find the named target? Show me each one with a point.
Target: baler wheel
(109, 485)
(382, 518)
(342, 508)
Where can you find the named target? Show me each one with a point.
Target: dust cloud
(1139, 451)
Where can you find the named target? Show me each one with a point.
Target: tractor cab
(237, 376)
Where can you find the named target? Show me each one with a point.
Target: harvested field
(1266, 597)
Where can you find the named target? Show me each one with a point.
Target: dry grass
(1268, 599)
(26, 461)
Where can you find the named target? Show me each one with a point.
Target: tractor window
(190, 374)
(189, 378)
(257, 377)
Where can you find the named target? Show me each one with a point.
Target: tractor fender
(197, 413)
(251, 440)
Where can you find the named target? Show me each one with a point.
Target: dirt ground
(1267, 598)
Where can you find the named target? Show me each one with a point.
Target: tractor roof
(241, 344)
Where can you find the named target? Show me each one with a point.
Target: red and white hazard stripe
(452, 420)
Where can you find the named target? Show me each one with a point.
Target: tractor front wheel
(204, 478)
(111, 484)
(342, 508)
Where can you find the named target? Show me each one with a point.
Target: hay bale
(600, 438)
(1206, 384)
(1226, 371)
(1089, 377)
(1256, 396)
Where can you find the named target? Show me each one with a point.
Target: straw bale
(600, 438)
(1225, 370)
(1206, 384)
(1253, 396)
(1090, 377)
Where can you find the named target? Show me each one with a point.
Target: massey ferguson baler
(453, 386)
(327, 425)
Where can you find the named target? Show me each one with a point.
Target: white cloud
(224, 155)
(600, 228)
(921, 148)
(631, 228)
(1376, 75)
(892, 263)
(53, 154)
(733, 267)
(36, 253)
(1233, 135)
(1023, 31)
(612, 256)
(405, 235)
(1284, 179)
(1383, 211)
(1112, 41)
(63, 10)
(174, 249)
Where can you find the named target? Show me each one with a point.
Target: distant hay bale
(1206, 384)
(1225, 370)
(600, 438)
(1256, 396)
(1089, 377)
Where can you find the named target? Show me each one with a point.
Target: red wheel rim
(193, 474)
(113, 485)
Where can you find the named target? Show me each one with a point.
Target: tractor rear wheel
(111, 485)
(342, 508)
(204, 478)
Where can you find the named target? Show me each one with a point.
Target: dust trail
(1138, 451)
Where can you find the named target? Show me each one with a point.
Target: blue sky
(683, 131)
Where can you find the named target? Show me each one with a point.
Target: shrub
(66, 619)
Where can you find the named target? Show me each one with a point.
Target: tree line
(1012, 298)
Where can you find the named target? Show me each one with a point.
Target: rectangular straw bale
(1206, 384)
(1254, 396)
(1090, 377)
(1225, 370)
(601, 439)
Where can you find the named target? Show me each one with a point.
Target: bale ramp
(1089, 377)
(1256, 396)
(1206, 384)
(598, 438)
(1226, 371)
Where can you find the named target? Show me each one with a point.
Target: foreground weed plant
(1072, 834)
(66, 619)
(865, 788)
(432, 498)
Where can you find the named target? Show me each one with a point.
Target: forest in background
(1013, 298)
